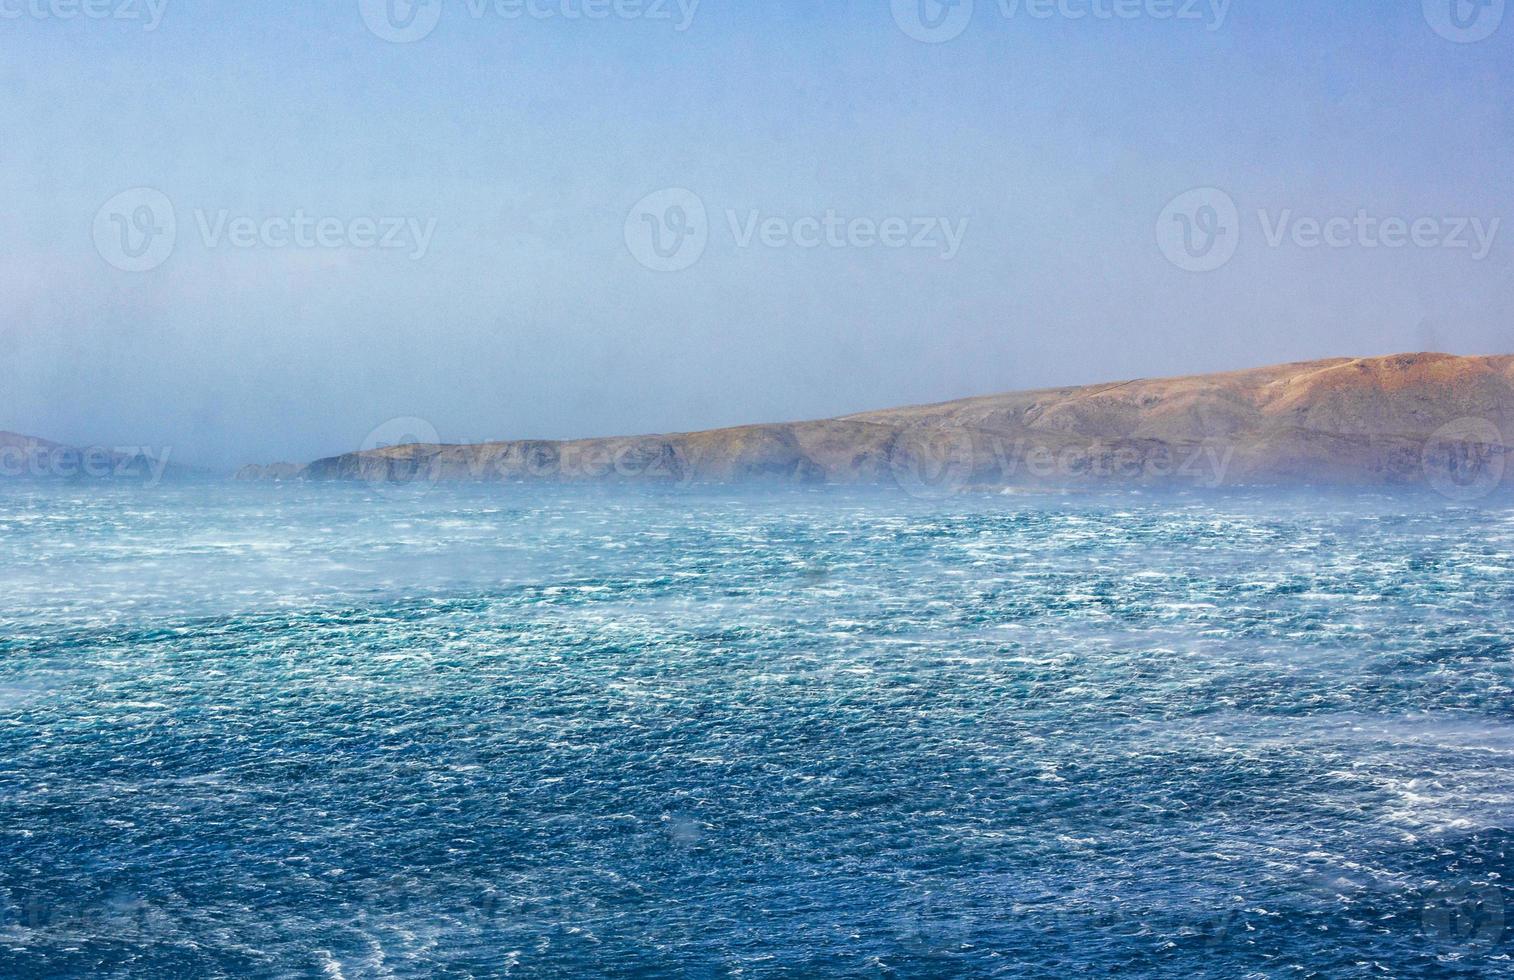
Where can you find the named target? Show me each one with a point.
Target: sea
(343, 731)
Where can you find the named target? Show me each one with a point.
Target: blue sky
(524, 146)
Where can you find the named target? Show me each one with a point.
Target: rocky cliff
(1409, 420)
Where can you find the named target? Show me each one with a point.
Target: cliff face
(1408, 420)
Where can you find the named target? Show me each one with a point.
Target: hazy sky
(988, 207)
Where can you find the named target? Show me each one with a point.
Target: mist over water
(340, 730)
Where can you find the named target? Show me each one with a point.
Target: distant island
(1410, 420)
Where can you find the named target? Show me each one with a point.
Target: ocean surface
(342, 732)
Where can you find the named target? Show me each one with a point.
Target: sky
(259, 232)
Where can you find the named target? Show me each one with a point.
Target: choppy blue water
(331, 731)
